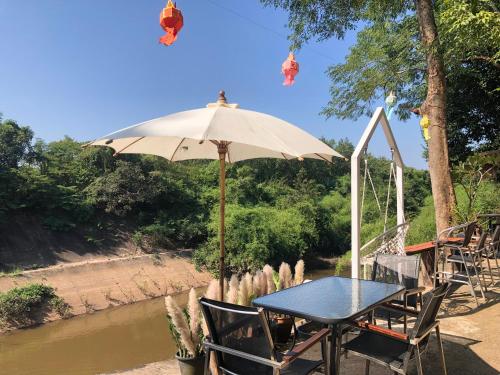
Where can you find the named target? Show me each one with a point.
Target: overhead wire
(264, 27)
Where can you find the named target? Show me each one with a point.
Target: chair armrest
(380, 330)
(397, 308)
(411, 292)
(299, 349)
(244, 355)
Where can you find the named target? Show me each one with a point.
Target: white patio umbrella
(219, 131)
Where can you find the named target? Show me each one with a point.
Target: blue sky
(87, 68)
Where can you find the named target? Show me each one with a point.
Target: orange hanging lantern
(171, 21)
(290, 69)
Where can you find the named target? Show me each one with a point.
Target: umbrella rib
(175, 151)
(284, 156)
(127, 146)
(325, 159)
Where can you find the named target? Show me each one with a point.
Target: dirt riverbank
(101, 283)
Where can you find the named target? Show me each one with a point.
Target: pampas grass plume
(194, 317)
(232, 293)
(268, 272)
(213, 290)
(249, 282)
(299, 272)
(257, 284)
(243, 293)
(175, 313)
(285, 274)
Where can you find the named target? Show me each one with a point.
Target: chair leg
(478, 277)
(405, 318)
(481, 270)
(419, 362)
(473, 292)
(367, 367)
(489, 270)
(441, 351)
(339, 348)
(324, 353)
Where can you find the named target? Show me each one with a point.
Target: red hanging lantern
(171, 21)
(290, 69)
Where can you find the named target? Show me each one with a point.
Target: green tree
(399, 49)
(15, 144)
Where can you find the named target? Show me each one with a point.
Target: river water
(114, 339)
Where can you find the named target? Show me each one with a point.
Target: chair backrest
(397, 269)
(482, 240)
(430, 309)
(469, 232)
(240, 328)
(495, 238)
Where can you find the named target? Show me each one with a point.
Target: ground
(470, 338)
(90, 269)
(100, 283)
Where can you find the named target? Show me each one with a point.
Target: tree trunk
(435, 108)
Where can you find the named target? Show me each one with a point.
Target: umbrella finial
(222, 102)
(222, 97)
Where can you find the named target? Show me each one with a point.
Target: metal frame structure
(378, 117)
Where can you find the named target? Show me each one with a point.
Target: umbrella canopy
(219, 131)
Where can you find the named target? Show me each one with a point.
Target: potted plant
(185, 328)
(281, 325)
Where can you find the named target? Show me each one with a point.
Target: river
(114, 339)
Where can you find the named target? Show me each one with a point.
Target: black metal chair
(403, 270)
(395, 350)
(464, 264)
(491, 252)
(241, 340)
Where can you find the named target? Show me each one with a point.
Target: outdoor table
(427, 251)
(331, 300)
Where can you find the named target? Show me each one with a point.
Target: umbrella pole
(222, 149)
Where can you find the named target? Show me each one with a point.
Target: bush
(486, 200)
(423, 226)
(256, 236)
(18, 306)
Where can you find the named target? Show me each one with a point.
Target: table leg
(335, 346)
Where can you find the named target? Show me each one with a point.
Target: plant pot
(307, 330)
(191, 366)
(282, 329)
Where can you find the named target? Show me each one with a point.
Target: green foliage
(15, 144)
(18, 306)
(423, 226)
(256, 236)
(473, 109)
(470, 30)
(474, 193)
(277, 210)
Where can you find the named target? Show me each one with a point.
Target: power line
(255, 23)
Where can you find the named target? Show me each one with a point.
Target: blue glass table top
(331, 299)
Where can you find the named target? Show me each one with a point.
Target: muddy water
(110, 340)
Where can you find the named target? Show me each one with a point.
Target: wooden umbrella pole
(222, 149)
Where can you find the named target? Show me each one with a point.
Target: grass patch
(16, 271)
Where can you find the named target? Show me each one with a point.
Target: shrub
(256, 236)
(18, 306)
(423, 226)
